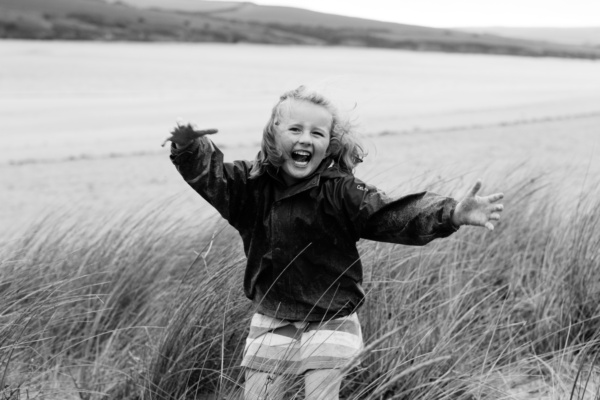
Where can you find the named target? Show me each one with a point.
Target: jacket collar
(327, 169)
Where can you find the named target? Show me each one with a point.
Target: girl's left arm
(418, 218)
(415, 219)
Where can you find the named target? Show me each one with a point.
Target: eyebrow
(299, 123)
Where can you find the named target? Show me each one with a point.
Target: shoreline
(456, 128)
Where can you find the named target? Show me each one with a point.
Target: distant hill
(232, 22)
(587, 36)
(181, 5)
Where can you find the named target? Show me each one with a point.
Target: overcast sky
(458, 13)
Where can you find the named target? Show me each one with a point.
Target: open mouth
(301, 157)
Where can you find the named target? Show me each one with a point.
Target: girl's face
(302, 133)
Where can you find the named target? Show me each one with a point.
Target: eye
(295, 129)
(318, 133)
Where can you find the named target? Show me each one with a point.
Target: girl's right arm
(201, 165)
(415, 219)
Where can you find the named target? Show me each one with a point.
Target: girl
(300, 211)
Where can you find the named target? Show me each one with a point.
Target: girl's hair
(344, 147)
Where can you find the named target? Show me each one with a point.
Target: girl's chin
(298, 171)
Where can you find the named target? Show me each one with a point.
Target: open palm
(478, 210)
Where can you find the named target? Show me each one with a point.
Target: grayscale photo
(299, 200)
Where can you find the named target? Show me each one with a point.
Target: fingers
(166, 140)
(494, 216)
(475, 188)
(207, 131)
(480, 210)
(184, 133)
(492, 198)
(197, 132)
(180, 123)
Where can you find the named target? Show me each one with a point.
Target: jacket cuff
(450, 227)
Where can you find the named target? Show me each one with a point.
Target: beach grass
(148, 304)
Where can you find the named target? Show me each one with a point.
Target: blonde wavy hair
(344, 147)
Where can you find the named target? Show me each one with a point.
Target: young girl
(300, 212)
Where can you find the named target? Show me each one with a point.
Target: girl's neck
(288, 180)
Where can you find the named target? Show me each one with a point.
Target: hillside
(585, 36)
(232, 22)
(181, 5)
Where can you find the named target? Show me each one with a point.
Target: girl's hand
(478, 210)
(183, 135)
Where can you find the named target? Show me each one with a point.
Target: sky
(461, 13)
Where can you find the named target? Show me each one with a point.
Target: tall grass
(149, 305)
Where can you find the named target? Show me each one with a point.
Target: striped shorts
(280, 346)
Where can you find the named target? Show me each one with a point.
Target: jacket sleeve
(415, 219)
(221, 184)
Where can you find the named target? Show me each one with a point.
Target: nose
(305, 137)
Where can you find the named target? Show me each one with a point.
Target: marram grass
(148, 305)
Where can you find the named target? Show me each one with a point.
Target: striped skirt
(286, 347)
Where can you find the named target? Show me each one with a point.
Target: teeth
(301, 157)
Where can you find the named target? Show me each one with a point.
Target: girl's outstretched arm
(418, 218)
(478, 210)
(201, 164)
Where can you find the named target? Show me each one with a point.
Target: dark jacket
(300, 241)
